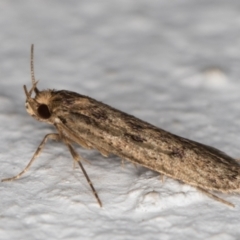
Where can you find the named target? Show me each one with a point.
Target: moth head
(38, 106)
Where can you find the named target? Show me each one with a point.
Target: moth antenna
(26, 91)
(32, 65)
(34, 83)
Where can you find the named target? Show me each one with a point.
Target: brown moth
(95, 125)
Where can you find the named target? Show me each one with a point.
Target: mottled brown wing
(112, 131)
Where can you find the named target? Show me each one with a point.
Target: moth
(92, 124)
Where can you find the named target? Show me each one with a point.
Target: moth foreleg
(76, 157)
(52, 136)
(215, 197)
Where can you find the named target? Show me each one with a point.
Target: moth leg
(74, 164)
(53, 136)
(85, 160)
(215, 197)
(162, 178)
(135, 165)
(122, 163)
(103, 151)
(76, 157)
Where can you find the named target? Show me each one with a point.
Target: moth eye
(43, 111)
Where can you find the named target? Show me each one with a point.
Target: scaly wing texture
(112, 131)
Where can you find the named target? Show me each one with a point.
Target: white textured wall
(172, 63)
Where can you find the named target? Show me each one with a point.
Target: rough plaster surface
(172, 63)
